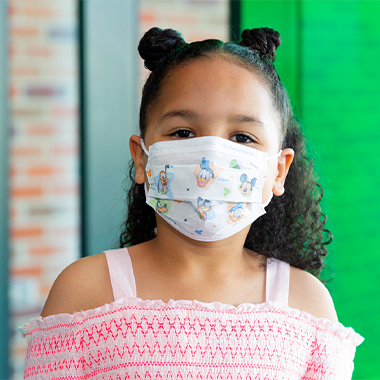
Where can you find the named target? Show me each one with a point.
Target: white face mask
(208, 188)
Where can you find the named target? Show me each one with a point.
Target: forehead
(213, 72)
(215, 86)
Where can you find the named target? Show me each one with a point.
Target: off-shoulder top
(140, 339)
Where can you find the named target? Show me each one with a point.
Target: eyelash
(250, 138)
(175, 134)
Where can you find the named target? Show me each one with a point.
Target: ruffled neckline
(67, 320)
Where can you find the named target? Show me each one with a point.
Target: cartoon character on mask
(246, 186)
(236, 212)
(204, 209)
(234, 164)
(205, 174)
(160, 208)
(163, 180)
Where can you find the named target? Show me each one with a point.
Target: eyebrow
(191, 115)
(239, 118)
(185, 114)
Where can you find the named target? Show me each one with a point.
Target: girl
(213, 283)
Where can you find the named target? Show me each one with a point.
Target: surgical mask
(207, 188)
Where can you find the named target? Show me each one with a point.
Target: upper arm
(77, 287)
(308, 294)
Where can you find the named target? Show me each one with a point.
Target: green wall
(330, 63)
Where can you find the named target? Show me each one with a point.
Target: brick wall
(194, 19)
(44, 182)
(44, 158)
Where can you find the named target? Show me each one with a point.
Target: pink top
(182, 340)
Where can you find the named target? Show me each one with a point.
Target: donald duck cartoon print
(204, 209)
(236, 212)
(205, 174)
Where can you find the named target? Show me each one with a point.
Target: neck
(181, 253)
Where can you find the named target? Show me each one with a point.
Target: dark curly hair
(292, 229)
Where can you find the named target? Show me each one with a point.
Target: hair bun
(264, 40)
(156, 44)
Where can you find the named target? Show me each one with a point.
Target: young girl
(216, 282)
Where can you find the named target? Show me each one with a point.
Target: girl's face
(215, 97)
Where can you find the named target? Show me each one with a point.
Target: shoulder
(308, 294)
(83, 285)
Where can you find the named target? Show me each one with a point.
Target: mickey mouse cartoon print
(246, 186)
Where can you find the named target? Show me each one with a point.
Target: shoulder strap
(277, 281)
(121, 273)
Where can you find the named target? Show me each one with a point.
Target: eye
(242, 138)
(183, 134)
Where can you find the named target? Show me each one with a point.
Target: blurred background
(70, 81)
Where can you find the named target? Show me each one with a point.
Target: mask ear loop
(147, 153)
(275, 155)
(271, 194)
(143, 147)
(145, 186)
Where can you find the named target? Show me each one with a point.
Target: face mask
(208, 188)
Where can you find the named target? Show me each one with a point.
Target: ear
(243, 178)
(284, 162)
(138, 158)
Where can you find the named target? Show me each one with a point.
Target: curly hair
(292, 229)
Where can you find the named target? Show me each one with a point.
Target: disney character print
(206, 173)
(204, 209)
(160, 206)
(246, 186)
(235, 212)
(162, 181)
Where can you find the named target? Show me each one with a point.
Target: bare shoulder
(83, 285)
(308, 294)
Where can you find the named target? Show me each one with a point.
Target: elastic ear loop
(143, 147)
(147, 153)
(271, 194)
(275, 155)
